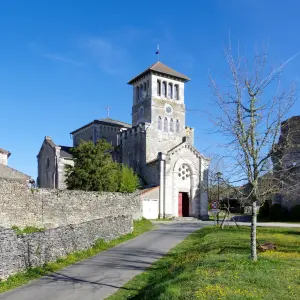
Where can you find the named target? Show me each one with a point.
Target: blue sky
(62, 62)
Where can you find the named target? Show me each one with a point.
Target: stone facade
(52, 159)
(106, 128)
(23, 206)
(160, 147)
(286, 161)
(19, 252)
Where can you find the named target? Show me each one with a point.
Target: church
(157, 145)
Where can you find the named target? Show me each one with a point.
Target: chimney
(4, 155)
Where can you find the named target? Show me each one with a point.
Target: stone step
(185, 219)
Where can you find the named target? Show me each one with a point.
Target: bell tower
(158, 99)
(158, 91)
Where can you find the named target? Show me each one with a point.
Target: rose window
(184, 172)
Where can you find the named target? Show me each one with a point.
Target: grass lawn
(16, 280)
(214, 264)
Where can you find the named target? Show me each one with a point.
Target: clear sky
(62, 62)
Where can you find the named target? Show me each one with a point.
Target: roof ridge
(163, 69)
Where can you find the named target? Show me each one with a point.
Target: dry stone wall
(19, 252)
(49, 208)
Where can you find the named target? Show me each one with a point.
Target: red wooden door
(180, 204)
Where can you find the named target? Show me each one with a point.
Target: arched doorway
(184, 185)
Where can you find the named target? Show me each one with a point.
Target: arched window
(171, 125)
(170, 90)
(165, 124)
(158, 87)
(176, 92)
(159, 123)
(164, 89)
(177, 126)
(137, 93)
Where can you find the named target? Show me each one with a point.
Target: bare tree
(250, 119)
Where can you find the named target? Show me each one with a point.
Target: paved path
(103, 274)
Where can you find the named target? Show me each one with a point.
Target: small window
(165, 124)
(164, 89)
(47, 163)
(177, 126)
(148, 87)
(137, 93)
(176, 92)
(158, 87)
(159, 123)
(145, 87)
(141, 91)
(171, 125)
(170, 90)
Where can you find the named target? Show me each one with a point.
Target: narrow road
(102, 275)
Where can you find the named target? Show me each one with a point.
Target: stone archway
(184, 187)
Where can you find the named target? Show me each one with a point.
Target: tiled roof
(147, 190)
(65, 151)
(3, 151)
(163, 69)
(115, 122)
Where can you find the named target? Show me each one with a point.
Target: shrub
(295, 213)
(264, 210)
(278, 213)
(128, 180)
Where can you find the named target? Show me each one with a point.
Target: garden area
(214, 264)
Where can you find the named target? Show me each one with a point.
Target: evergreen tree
(94, 170)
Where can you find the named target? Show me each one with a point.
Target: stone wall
(21, 206)
(19, 252)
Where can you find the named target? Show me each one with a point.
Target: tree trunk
(253, 232)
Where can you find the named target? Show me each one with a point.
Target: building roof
(10, 173)
(147, 190)
(65, 151)
(162, 69)
(115, 122)
(3, 151)
(50, 141)
(105, 121)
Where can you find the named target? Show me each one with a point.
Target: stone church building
(157, 145)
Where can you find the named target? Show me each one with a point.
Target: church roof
(162, 69)
(105, 121)
(115, 122)
(65, 151)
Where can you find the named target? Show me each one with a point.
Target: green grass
(21, 278)
(214, 264)
(27, 229)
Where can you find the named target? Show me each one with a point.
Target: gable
(185, 146)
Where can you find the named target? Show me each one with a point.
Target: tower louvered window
(177, 126)
(165, 124)
(171, 125)
(159, 123)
